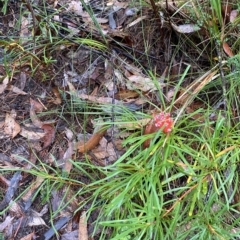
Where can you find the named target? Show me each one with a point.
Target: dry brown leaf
(188, 95)
(140, 101)
(109, 149)
(100, 154)
(136, 21)
(36, 105)
(58, 99)
(150, 128)
(102, 20)
(16, 90)
(4, 84)
(181, 7)
(195, 87)
(69, 134)
(49, 135)
(82, 231)
(118, 5)
(23, 79)
(35, 120)
(227, 49)
(126, 94)
(106, 150)
(186, 28)
(11, 127)
(109, 85)
(35, 219)
(71, 87)
(6, 223)
(13, 113)
(170, 94)
(76, 7)
(68, 154)
(31, 133)
(93, 141)
(3, 180)
(196, 116)
(108, 72)
(32, 189)
(32, 157)
(28, 237)
(97, 99)
(141, 83)
(24, 32)
(16, 209)
(70, 235)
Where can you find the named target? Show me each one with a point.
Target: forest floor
(119, 119)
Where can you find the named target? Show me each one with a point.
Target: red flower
(164, 122)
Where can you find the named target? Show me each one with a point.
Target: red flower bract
(164, 122)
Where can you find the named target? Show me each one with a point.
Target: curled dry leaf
(11, 127)
(227, 49)
(49, 135)
(92, 142)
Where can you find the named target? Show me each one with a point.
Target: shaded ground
(48, 84)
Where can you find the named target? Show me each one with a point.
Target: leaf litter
(41, 131)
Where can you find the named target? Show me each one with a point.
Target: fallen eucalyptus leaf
(186, 28)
